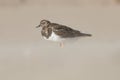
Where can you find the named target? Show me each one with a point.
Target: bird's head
(43, 23)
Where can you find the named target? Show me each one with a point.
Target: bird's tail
(84, 34)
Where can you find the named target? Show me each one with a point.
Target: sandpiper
(57, 32)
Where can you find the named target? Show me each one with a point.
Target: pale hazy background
(24, 55)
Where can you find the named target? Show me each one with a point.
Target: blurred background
(25, 55)
(58, 2)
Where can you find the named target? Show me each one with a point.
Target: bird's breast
(46, 32)
(53, 37)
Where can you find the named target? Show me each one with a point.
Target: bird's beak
(38, 26)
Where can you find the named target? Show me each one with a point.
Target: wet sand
(24, 55)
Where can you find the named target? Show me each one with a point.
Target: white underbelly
(54, 37)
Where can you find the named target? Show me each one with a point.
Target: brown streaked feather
(64, 31)
(46, 32)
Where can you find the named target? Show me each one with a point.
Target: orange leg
(61, 44)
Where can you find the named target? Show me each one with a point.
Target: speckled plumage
(60, 31)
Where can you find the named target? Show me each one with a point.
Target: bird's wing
(64, 31)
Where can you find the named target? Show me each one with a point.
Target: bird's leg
(61, 44)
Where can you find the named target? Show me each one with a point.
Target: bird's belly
(54, 37)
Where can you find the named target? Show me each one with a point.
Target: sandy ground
(24, 55)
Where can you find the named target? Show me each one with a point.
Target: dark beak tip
(38, 26)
